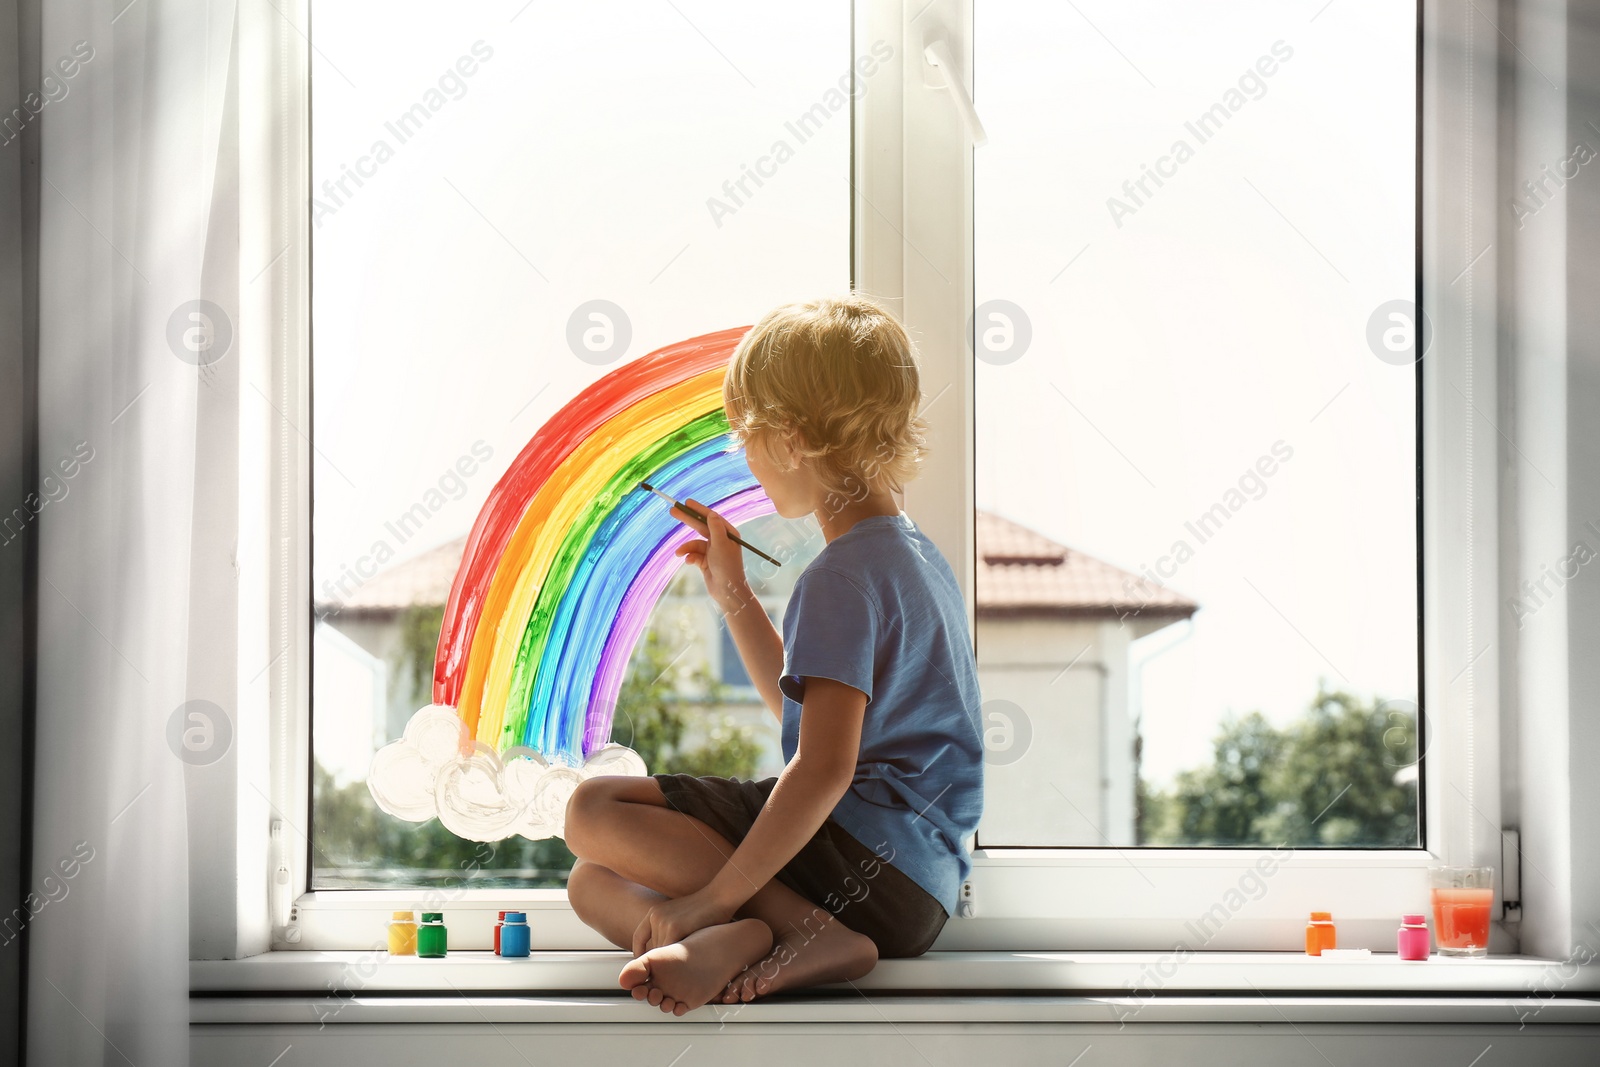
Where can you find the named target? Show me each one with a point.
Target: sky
(1174, 341)
(1174, 345)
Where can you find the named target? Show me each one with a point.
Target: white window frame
(1149, 898)
(912, 247)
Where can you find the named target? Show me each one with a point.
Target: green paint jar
(431, 936)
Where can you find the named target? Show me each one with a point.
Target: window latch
(1511, 874)
(941, 72)
(281, 890)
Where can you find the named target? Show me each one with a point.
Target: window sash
(912, 248)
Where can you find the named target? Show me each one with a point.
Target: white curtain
(135, 216)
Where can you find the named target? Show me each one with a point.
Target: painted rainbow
(562, 568)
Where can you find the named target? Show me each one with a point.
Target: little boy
(723, 889)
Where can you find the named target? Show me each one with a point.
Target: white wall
(1551, 470)
(349, 693)
(1061, 772)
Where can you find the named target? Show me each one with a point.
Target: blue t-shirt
(879, 609)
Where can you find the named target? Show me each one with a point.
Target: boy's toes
(667, 1004)
(634, 975)
(680, 1009)
(656, 997)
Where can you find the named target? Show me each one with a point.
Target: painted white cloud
(479, 795)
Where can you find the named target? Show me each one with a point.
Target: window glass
(733, 670)
(511, 201)
(1196, 423)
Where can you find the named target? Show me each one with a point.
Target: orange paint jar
(1320, 933)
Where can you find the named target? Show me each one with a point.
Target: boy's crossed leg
(635, 851)
(676, 978)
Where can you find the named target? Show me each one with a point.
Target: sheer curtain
(137, 201)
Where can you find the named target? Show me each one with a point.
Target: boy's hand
(719, 557)
(671, 921)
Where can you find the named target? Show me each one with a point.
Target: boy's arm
(760, 646)
(823, 767)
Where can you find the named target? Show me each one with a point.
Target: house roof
(1020, 573)
(1023, 573)
(422, 579)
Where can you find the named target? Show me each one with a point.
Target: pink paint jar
(1412, 939)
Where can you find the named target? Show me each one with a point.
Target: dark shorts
(833, 870)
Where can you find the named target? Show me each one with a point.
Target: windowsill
(931, 992)
(945, 973)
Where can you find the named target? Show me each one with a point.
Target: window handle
(941, 72)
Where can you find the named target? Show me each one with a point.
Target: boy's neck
(836, 523)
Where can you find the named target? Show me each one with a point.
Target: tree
(1221, 804)
(653, 719)
(368, 848)
(419, 637)
(1328, 779)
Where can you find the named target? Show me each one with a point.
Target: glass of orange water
(1463, 898)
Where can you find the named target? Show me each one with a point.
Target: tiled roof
(423, 579)
(1021, 572)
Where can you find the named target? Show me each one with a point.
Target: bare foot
(814, 956)
(680, 977)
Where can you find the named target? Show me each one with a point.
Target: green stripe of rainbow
(568, 556)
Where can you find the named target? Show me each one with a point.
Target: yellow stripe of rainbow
(552, 511)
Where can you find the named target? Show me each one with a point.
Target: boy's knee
(578, 886)
(595, 807)
(583, 815)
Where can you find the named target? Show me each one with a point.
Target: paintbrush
(692, 513)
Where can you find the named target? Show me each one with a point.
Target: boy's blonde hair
(842, 372)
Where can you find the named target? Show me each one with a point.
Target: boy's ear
(795, 438)
(794, 444)
(781, 446)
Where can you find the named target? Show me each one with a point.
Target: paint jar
(1320, 933)
(432, 939)
(514, 934)
(498, 922)
(403, 933)
(1412, 938)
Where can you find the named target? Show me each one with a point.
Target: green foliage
(419, 637)
(1325, 780)
(360, 846)
(653, 720)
